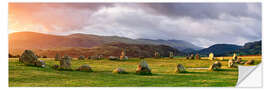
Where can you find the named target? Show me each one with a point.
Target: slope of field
(162, 69)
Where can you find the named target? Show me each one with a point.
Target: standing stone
(40, 63)
(234, 57)
(28, 58)
(231, 63)
(119, 71)
(100, 57)
(180, 68)
(81, 58)
(65, 63)
(57, 57)
(85, 68)
(191, 56)
(211, 56)
(156, 54)
(216, 66)
(171, 55)
(143, 68)
(123, 55)
(250, 62)
(198, 56)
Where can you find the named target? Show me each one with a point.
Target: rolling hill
(250, 48)
(110, 49)
(219, 49)
(33, 40)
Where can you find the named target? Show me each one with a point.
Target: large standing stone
(57, 57)
(143, 68)
(81, 58)
(216, 66)
(65, 63)
(231, 64)
(180, 68)
(211, 56)
(250, 62)
(85, 68)
(234, 57)
(119, 71)
(28, 58)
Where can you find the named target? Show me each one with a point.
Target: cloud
(201, 24)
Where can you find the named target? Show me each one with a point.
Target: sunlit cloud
(201, 24)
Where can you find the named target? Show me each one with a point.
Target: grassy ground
(162, 69)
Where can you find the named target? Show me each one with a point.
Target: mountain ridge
(40, 40)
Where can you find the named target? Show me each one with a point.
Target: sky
(202, 24)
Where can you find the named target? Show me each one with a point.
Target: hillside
(178, 44)
(33, 40)
(111, 49)
(250, 48)
(219, 49)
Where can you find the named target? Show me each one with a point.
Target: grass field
(162, 69)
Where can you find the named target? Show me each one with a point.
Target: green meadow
(162, 69)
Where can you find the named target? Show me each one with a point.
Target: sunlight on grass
(162, 69)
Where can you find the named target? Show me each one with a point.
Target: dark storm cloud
(205, 10)
(202, 24)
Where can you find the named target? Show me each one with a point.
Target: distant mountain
(33, 40)
(189, 50)
(250, 48)
(110, 49)
(219, 49)
(178, 44)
